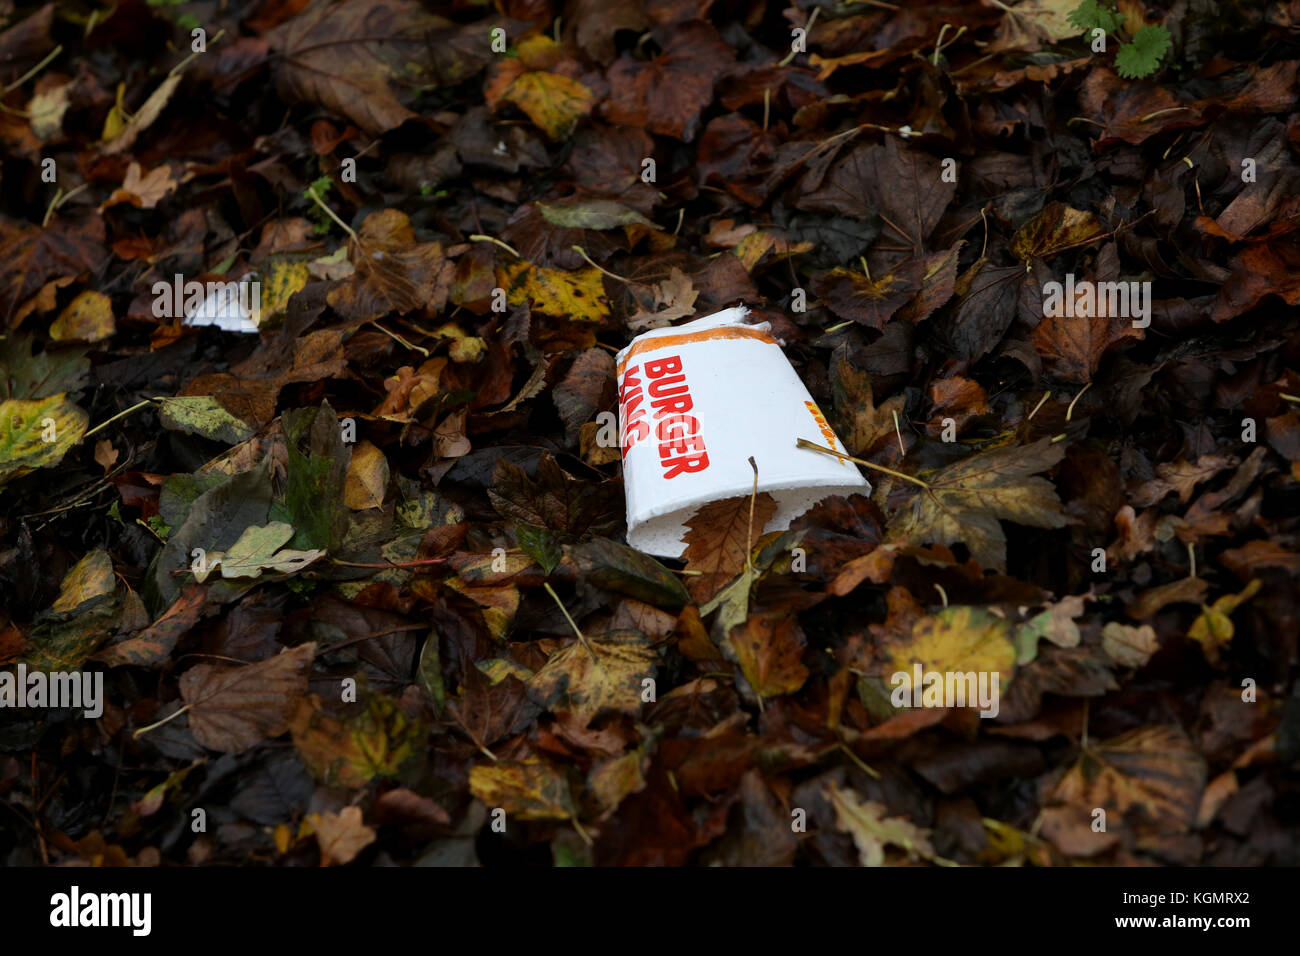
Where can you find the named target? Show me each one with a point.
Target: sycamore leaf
(88, 318)
(257, 550)
(374, 739)
(234, 708)
(526, 790)
(571, 680)
(967, 499)
(553, 102)
(1152, 773)
(715, 541)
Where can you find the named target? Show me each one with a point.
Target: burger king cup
(696, 402)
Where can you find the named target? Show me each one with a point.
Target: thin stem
(387, 564)
(1070, 411)
(478, 237)
(749, 532)
(158, 723)
(583, 252)
(330, 212)
(401, 341)
(805, 443)
(576, 630)
(105, 424)
(33, 71)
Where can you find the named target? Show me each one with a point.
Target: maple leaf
(674, 299)
(525, 789)
(715, 541)
(966, 500)
(1151, 771)
(577, 295)
(606, 677)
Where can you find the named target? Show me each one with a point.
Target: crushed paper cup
(696, 401)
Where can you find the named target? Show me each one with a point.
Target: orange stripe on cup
(704, 335)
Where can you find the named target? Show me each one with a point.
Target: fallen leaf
(235, 708)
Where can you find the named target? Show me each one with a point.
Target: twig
(576, 630)
(805, 443)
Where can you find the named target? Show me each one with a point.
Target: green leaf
(24, 375)
(1142, 56)
(616, 567)
(37, 433)
(257, 550)
(539, 544)
(207, 517)
(204, 415)
(1091, 15)
(316, 478)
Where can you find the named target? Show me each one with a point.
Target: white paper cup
(696, 401)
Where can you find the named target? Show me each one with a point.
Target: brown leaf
(342, 55)
(769, 648)
(667, 94)
(716, 544)
(341, 835)
(967, 499)
(234, 708)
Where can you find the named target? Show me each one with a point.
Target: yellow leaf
(576, 295)
(1213, 630)
(281, 278)
(37, 433)
(570, 680)
(956, 640)
(367, 478)
(553, 102)
(88, 318)
(526, 790)
(90, 579)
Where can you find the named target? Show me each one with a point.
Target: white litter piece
(234, 306)
(696, 401)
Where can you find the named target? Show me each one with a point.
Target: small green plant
(1139, 57)
(315, 194)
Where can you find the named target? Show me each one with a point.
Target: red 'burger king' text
(681, 444)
